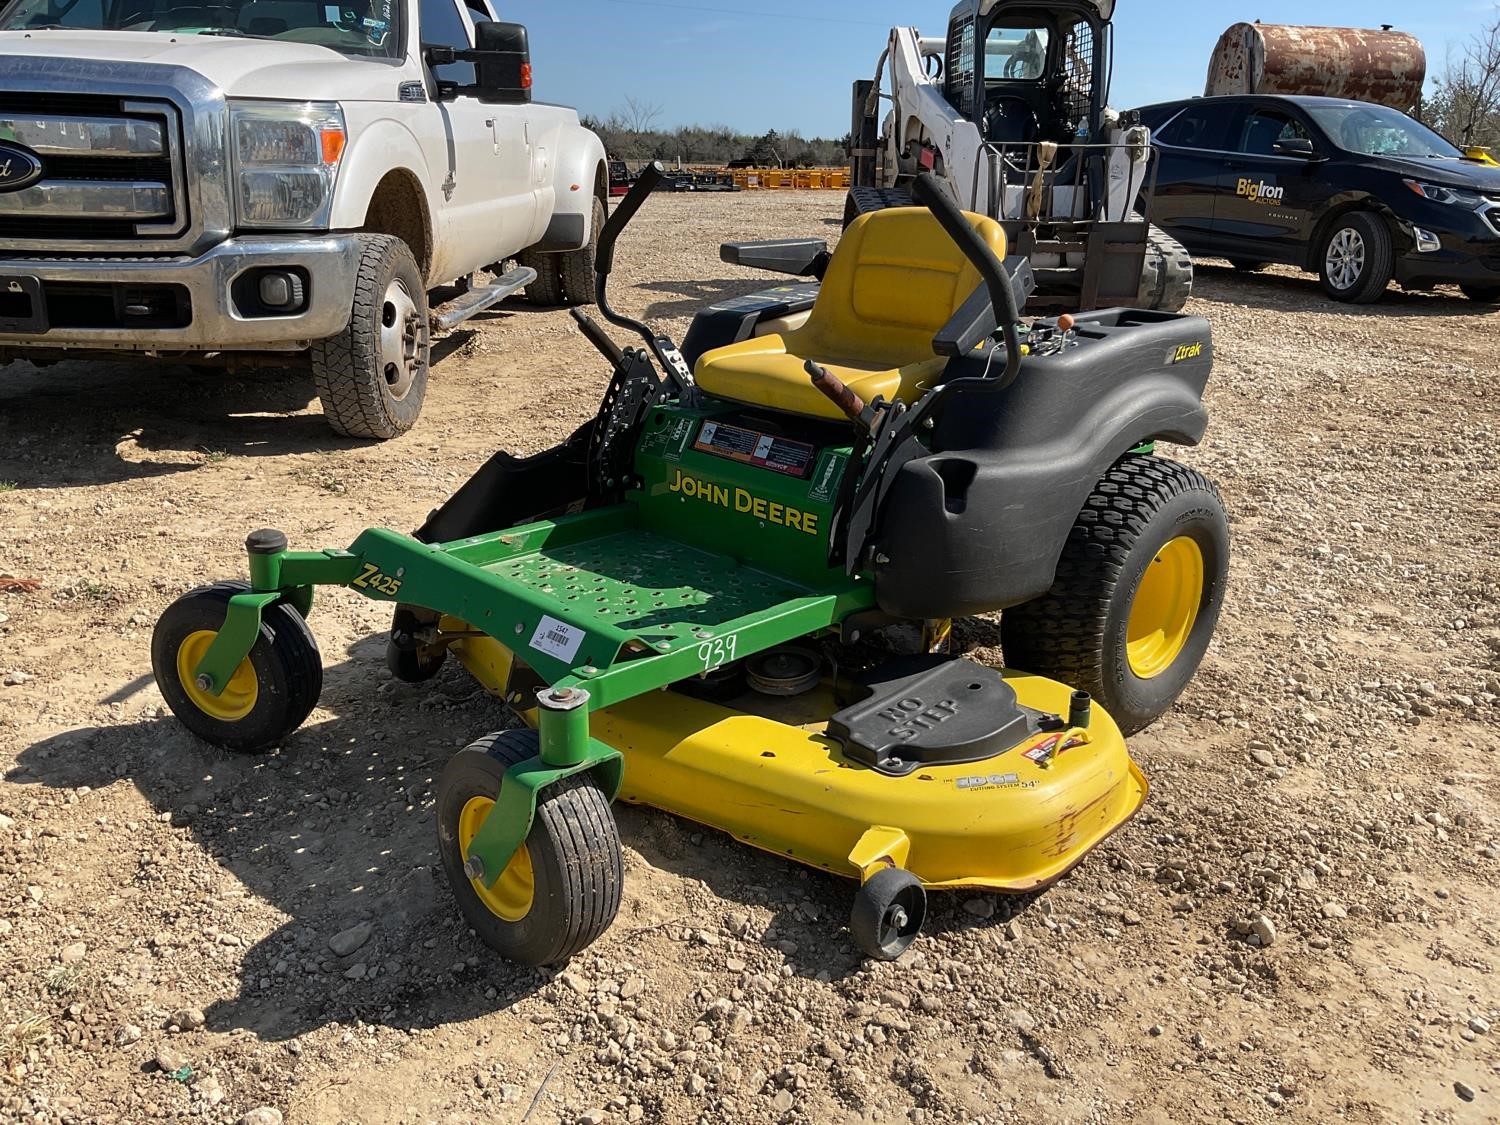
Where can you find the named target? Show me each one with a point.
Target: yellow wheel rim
(238, 698)
(512, 895)
(1164, 608)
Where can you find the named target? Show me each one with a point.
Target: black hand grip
(645, 184)
(598, 337)
(930, 194)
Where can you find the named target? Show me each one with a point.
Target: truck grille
(112, 171)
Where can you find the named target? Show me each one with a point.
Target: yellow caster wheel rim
(1165, 608)
(239, 697)
(511, 897)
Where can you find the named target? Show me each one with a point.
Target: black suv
(1355, 192)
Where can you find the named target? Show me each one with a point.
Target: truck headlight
(1440, 194)
(286, 156)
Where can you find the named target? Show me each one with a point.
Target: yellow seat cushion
(894, 281)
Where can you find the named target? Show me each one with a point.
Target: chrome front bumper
(330, 261)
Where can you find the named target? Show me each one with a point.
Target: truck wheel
(1484, 294)
(1137, 595)
(372, 377)
(546, 291)
(1358, 259)
(863, 200)
(578, 279)
(1166, 273)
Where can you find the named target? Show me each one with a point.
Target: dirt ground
(166, 910)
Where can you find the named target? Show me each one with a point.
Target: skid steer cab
(731, 594)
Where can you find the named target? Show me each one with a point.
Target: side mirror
(1296, 146)
(502, 62)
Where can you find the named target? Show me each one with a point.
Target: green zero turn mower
(685, 601)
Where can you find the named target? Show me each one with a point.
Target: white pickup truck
(237, 181)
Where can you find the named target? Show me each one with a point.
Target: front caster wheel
(269, 695)
(409, 661)
(888, 913)
(561, 889)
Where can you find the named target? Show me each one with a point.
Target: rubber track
(1061, 634)
(578, 818)
(1166, 273)
(353, 407)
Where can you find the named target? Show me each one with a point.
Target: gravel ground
(1301, 925)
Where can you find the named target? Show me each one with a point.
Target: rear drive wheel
(1484, 294)
(372, 377)
(1138, 592)
(561, 889)
(577, 266)
(546, 291)
(1358, 259)
(888, 913)
(269, 695)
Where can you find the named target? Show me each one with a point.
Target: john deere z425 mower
(689, 604)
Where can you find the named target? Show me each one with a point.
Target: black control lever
(598, 337)
(929, 192)
(604, 262)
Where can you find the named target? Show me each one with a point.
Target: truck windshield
(1375, 130)
(354, 27)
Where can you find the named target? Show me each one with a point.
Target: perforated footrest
(931, 710)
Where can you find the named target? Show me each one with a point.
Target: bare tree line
(1465, 107)
(631, 133)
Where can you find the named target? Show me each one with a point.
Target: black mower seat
(895, 280)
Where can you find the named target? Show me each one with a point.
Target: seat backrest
(894, 281)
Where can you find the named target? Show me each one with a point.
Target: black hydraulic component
(931, 711)
(930, 193)
(598, 337)
(800, 257)
(1080, 710)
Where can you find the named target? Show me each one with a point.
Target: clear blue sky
(781, 64)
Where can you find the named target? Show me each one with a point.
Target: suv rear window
(1199, 126)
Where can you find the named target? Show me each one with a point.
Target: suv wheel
(1358, 259)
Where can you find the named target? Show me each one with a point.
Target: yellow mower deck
(763, 771)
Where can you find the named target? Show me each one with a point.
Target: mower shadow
(1304, 294)
(335, 829)
(332, 830)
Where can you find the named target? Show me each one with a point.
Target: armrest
(975, 319)
(800, 257)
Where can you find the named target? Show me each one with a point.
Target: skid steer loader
(1009, 112)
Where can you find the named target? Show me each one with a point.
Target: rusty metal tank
(1383, 66)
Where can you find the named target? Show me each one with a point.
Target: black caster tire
(1137, 595)
(269, 696)
(888, 913)
(409, 662)
(562, 888)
